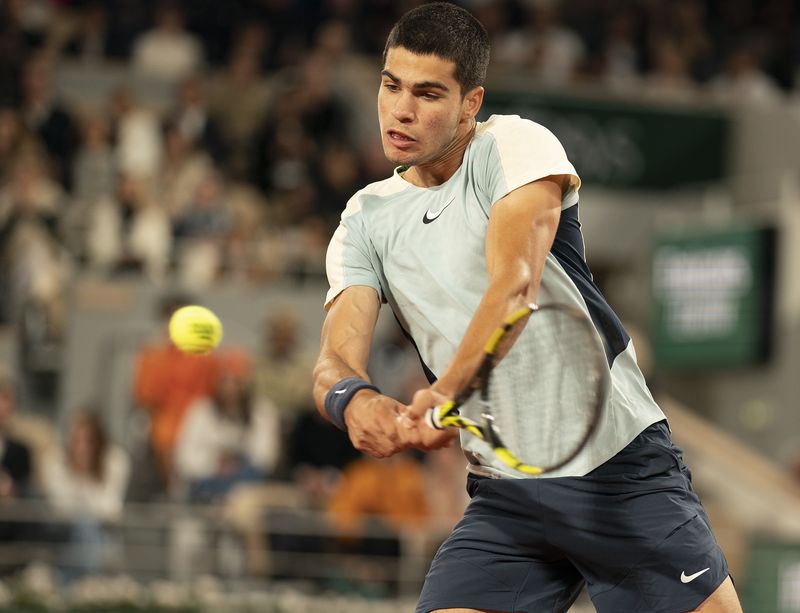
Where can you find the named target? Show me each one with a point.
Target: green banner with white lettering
(627, 145)
(713, 297)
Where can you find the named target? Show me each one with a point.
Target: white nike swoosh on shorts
(689, 578)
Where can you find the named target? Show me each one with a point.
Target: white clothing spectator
(78, 495)
(208, 439)
(167, 52)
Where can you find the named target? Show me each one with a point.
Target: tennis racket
(540, 389)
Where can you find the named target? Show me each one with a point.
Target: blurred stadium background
(158, 153)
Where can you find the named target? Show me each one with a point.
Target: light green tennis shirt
(422, 250)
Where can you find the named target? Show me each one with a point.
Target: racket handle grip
(432, 419)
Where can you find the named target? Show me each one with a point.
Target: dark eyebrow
(420, 85)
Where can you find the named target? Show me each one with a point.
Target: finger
(411, 436)
(405, 420)
(423, 400)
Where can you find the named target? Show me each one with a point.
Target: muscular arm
(346, 339)
(522, 227)
(371, 417)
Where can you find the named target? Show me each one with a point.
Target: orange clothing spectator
(166, 382)
(392, 489)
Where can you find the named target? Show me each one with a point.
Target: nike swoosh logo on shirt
(429, 215)
(689, 578)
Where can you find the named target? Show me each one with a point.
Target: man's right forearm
(340, 377)
(346, 341)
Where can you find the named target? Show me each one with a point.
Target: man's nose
(404, 108)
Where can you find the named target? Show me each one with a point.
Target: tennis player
(478, 219)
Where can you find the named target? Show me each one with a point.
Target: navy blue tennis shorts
(633, 531)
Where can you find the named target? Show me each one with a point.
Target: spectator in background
(337, 173)
(669, 77)
(352, 74)
(88, 38)
(307, 245)
(686, 25)
(184, 168)
(388, 492)
(228, 450)
(743, 81)
(247, 206)
(94, 173)
(793, 466)
(136, 134)
(85, 483)
(620, 52)
(16, 141)
(283, 157)
(195, 122)
(323, 113)
(544, 48)
(15, 457)
(228, 438)
(16, 46)
(201, 231)
(127, 19)
(316, 455)
(129, 231)
(15, 462)
(94, 178)
(392, 491)
(307, 112)
(48, 118)
(166, 382)
(167, 51)
(240, 116)
(282, 370)
(32, 259)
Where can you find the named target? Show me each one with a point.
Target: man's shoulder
(374, 192)
(503, 126)
(384, 187)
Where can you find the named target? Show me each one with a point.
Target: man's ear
(472, 102)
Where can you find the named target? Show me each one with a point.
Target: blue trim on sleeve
(568, 249)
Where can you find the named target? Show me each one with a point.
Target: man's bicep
(522, 225)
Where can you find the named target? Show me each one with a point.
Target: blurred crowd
(234, 431)
(264, 127)
(187, 142)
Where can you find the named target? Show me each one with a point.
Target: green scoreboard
(712, 295)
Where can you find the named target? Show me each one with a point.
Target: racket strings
(543, 393)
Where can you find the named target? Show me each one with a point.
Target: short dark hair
(447, 31)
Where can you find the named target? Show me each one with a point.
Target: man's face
(419, 107)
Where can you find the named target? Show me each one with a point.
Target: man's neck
(445, 166)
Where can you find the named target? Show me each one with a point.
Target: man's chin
(398, 158)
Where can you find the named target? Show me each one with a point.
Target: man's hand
(415, 431)
(372, 421)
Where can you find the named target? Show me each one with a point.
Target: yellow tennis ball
(195, 329)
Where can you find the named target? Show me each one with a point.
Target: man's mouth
(399, 137)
